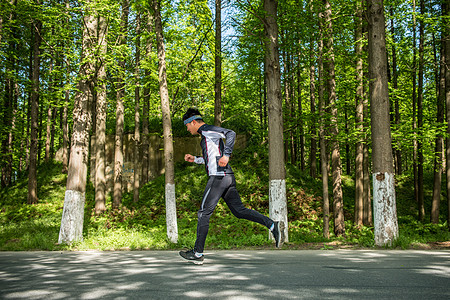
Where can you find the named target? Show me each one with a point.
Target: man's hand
(223, 161)
(189, 158)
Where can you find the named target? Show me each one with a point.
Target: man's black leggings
(223, 187)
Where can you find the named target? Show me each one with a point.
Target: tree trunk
(100, 128)
(322, 140)
(137, 133)
(65, 124)
(420, 149)
(301, 135)
(447, 102)
(146, 107)
(48, 133)
(32, 171)
(218, 66)
(120, 111)
(73, 212)
(65, 127)
(338, 207)
(414, 109)
(359, 120)
(277, 174)
(171, 213)
(439, 142)
(312, 91)
(385, 212)
(312, 96)
(367, 202)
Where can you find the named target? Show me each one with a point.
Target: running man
(221, 183)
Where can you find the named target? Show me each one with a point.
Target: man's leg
(213, 191)
(233, 200)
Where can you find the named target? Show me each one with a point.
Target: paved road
(284, 274)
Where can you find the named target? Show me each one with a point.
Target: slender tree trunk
(421, 207)
(73, 212)
(100, 128)
(49, 118)
(218, 66)
(65, 123)
(48, 133)
(32, 171)
(277, 174)
(446, 38)
(385, 212)
(312, 91)
(439, 142)
(301, 135)
(289, 143)
(49, 121)
(137, 133)
(359, 120)
(65, 127)
(348, 165)
(338, 209)
(414, 109)
(120, 111)
(146, 107)
(322, 140)
(171, 213)
(367, 200)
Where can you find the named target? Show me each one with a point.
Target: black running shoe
(190, 256)
(278, 233)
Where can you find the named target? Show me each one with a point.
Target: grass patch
(141, 225)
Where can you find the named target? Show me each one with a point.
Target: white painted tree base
(72, 218)
(384, 209)
(171, 213)
(278, 205)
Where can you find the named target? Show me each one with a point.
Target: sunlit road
(273, 274)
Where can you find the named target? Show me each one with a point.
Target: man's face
(191, 127)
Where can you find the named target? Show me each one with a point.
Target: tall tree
(32, 169)
(420, 92)
(385, 212)
(322, 139)
(367, 200)
(171, 213)
(414, 107)
(359, 118)
(312, 96)
(146, 104)
(48, 131)
(65, 128)
(446, 38)
(73, 212)
(277, 173)
(439, 141)
(120, 110)
(338, 202)
(137, 133)
(218, 66)
(100, 128)
(65, 123)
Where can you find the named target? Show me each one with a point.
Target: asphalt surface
(271, 274)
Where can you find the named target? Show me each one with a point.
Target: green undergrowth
(141, 225)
